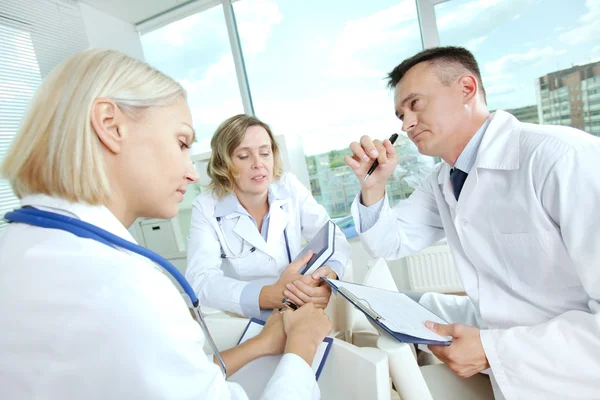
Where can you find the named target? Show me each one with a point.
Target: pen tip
(365, 178)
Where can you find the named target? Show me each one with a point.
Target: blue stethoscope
(243, 253)
(45, 219)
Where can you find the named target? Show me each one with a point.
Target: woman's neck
(255, 204)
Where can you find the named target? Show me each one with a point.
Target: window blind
(35, 35)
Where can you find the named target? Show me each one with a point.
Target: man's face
(431, 112)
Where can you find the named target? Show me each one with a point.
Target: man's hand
(310, 288)
(465, 355)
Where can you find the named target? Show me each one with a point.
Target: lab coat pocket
(537, 260)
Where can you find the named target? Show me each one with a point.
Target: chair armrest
(404, 370)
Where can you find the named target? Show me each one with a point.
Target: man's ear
(106, 118)
(469, 87)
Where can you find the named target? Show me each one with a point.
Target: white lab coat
(81, 320)
(219, 282)
(525, 236)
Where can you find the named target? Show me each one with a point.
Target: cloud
(478, 14)
(393, 27)
(256, 19)
(512, 62)
(473, 44)
(595, 54)
(588, 26)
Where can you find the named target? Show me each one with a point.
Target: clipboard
(400, 333)
(255, 375)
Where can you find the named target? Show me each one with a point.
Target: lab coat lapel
(278, 221)
(246, 229)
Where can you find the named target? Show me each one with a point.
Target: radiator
(432, 270)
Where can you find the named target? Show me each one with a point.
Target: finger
(296, 291)
(439, 352)
(325, 271)
(440, 329)
(382, 158)
(368, 146)
(293, 298)
(351, 162)
(359, 152)
(298, 264)
(309, 290)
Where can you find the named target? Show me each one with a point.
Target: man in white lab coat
(516, 203)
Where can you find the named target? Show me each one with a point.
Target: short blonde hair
(227, 138)
(56, 151)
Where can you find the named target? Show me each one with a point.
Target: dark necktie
(457, 177)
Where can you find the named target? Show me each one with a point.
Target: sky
(317, 68)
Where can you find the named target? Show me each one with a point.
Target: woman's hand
(311, 288)
(271, 295)
(273, 334)
(305, 329)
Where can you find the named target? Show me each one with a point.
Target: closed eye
(183, 145)
(413, 103)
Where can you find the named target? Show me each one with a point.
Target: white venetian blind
(35, 35)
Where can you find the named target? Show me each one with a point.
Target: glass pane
(195, 51)
(19, 79)
(539, 59)
(317, 70)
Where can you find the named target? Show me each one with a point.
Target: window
(323, 79)
(196, 52)
(559, 46)
(33, 39)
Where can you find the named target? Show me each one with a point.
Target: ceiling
(134, 11)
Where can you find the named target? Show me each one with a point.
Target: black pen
(376, 163)
(289, 304)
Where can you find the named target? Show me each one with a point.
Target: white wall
(105, 31)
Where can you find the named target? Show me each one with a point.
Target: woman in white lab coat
(106, 141)
(247, 230)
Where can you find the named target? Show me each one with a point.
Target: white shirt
(81, 320)
(524, 235)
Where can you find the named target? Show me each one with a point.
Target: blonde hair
(56, 151)
(227, 138)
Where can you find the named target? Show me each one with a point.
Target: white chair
(378, 275)
(350, 372)
(341, 312)
(430, 382)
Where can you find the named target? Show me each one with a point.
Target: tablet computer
(322, 246)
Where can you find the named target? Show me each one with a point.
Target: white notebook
(322, 246)
(255, 376)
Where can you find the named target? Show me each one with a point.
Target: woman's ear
(106, 118)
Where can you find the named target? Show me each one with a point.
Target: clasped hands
(299, 289)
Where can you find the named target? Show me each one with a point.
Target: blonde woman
(104, 142)
(248, 229)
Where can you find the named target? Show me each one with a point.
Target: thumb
(389, 149)
(298, 264)
(324, 271)
(440, 329)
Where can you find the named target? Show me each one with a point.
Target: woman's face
(155, 165)
(253, 160)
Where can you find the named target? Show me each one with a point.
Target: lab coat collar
(499, 148)
(99, 216)
(229, 205)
